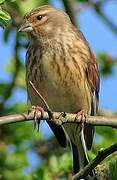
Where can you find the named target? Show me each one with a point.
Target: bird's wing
(93, 79)
(92, 74)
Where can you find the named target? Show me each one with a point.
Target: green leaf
(1, 1)
(65, 162)
(12, 0)
(4, 18)
(112, 170)
(7, 33)
(4, 15)
(54, 164)
(83, 1)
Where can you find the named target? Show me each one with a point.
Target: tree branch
(108, 22)
(102, 154)
(60, 119)
(69, 7)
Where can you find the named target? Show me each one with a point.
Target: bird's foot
(83, 114)
(37, 110)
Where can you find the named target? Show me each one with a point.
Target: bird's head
(45, 21)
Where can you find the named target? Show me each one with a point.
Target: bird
(62, 66)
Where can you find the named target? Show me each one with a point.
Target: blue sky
(100, 38)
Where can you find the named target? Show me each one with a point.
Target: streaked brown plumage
(62, 66)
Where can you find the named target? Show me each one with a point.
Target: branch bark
(100, 13)
(102, 154)
(69, 7)
(60, 119)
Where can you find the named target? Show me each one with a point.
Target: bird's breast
(61, 81)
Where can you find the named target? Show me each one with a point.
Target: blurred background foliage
(24, 153)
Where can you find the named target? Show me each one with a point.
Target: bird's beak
(25, 27)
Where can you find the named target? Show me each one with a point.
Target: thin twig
(102, 154)
(40, 96)
(69, 7)
(100, 13)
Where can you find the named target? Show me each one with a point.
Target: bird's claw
(83, 115)
(37, 110)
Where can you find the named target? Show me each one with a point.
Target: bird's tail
(80, 159)
(76, 135)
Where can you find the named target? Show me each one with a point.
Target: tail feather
(76, 165)
(80, 159)
(76, 136)
(89, 131)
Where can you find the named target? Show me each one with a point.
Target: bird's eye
(39, 17)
